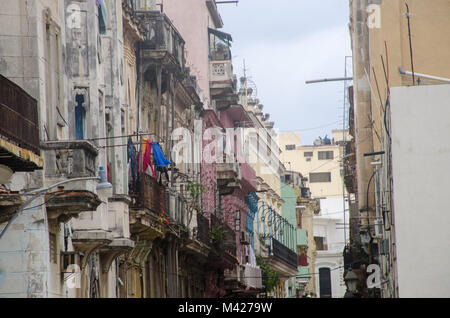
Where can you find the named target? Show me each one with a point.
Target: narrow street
(232, 156)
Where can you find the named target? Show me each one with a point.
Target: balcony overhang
(19, 159)
(110, 252)
(145, 225)
(228, 177)
(9, 204)
(65, 204)
(221, 261)
(88, 241)
(196, 249)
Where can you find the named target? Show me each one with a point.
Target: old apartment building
(105, 187)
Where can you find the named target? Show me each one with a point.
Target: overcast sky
(284, 43)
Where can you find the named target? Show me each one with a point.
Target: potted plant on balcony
(217, 236)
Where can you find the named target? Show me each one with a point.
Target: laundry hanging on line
(160, 161)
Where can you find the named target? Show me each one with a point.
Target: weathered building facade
(398, 60)
(109, 190)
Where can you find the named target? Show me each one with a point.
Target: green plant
(270, 278)
(195, 191)
(217, 234)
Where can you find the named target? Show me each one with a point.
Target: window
(102, 16)
(80, 118)
(320, 177)
(321, 243)
(308, 154)
(290, 147)
(308, 159)
(326, 155)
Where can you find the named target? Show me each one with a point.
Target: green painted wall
(289, 196)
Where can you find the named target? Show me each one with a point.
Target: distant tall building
(321, 165)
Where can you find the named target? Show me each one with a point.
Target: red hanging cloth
(147, 160)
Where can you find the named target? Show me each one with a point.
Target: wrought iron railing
(284, 253)
(148, 194)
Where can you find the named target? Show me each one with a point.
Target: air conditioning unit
(245, 238)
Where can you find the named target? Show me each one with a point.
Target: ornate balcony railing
(69, 159)
(162, 42)
(283, 253)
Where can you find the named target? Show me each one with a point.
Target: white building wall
(420, 118)
(330, 224)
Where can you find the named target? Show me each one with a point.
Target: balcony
(284, 254)
(228, 177)
(234, 280)
(226, 244)
(65, 160)
(163, 44)
(133, 24)
(148, 207)
(19, 129)
(223, 82)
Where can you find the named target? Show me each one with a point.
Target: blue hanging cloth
(160, 160)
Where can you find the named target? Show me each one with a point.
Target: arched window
(80, 118)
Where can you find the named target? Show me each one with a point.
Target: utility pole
(345, 79)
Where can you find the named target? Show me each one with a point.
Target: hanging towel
(132, 158)
(160, 160)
